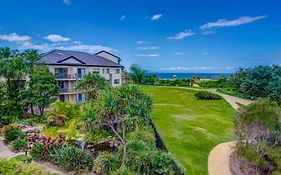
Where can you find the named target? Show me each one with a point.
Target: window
(62, 98)
(117, 71)
(61, 72)
(80, 97)
(106, 71)
(96, 70)
(81, 72)
(116, 81)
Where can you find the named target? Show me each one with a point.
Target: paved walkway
(4, 150)
(232, 100)
(218, 160)
(6, 153)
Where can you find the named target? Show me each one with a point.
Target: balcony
(67, 91)
(65, 76)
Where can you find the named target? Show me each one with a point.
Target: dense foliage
(16, 97)
(72, 158)
(59, 112)
(205, 95)
(14, 134)
(14, 167)
(252, 83)
(91, 85)
(258, 129)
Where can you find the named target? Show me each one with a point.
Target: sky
(159, 35)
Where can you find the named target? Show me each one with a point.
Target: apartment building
(70, 67)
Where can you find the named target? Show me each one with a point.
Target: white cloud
(13, 37)
(231, 23)
(208, 32)
(155, 17)
(147, 55)
(148, 48)
(67, 2)
(140, 42)
(86, 48)
(181, 35)
(56, 38)
(31, 45)
(178, 53)
(122, 18)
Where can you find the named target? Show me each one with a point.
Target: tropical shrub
(144, 136)
(258, 129)
(37, 152)
(60, 111)
(123, 171)
(72, 158)
(14, 167)
(144, 161)
(13, 134)
(92, 85)
(22, 158)
(20, 144)
(106, 163)
(205, 95)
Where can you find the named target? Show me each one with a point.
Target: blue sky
(159, 35)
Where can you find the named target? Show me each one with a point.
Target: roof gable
(71, 60)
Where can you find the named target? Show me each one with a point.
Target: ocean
(212, 76)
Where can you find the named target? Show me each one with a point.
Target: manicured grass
(190, 128)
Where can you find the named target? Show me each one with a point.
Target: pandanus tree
(137, 74)
(123, 109)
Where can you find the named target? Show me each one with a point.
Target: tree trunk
(123, 165)
(31, 109)
(41, 109)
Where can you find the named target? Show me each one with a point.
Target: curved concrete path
(6, 153)
(232, 100)
(218, 160)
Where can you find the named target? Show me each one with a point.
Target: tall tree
(123, 109)
(91, 85)
(42, 88)
(137, 74)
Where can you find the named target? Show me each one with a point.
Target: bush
(72, 158)
(22, 158)
(142, 160)
(106, 163)
(19, 145)
(122, 171)
(204, 95)
(60, 112)
(13, 134)
(14, 167)
(37, 151)
(144, 136)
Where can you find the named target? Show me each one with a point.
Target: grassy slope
(190, 128)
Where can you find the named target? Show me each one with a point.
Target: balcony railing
(67, 90)
(68, 76)
(64, 76)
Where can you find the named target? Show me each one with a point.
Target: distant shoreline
(208, 76)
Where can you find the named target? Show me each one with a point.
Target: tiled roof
(57, 57)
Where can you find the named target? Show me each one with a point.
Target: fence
(160, 144)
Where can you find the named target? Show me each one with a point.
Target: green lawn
(190, 128)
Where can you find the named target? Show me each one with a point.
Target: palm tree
(6, 52)
(137, 74)
(31, 58)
